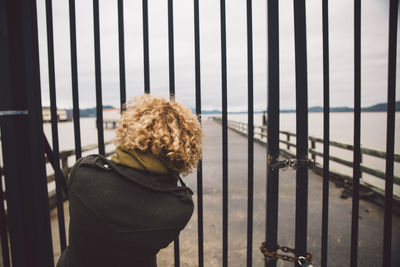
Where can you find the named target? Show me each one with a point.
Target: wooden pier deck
(370, 220)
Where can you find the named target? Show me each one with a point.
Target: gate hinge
(294, 163)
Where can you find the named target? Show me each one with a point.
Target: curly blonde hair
(166, 128)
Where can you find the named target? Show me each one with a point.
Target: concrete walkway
(370, 220)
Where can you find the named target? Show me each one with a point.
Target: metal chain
(294, 163)
(275, 255)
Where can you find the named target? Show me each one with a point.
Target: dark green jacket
(121, 216)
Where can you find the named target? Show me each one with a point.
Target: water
(66, 133)
(373, 135)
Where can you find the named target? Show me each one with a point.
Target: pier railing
(66, 167)
(287, 138)
(66, 154)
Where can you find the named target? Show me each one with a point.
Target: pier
(288, 140)
(370, 217)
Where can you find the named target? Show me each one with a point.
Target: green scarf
(144, 161)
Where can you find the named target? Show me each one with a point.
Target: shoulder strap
(183, 185)
(181, 181)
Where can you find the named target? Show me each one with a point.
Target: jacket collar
(158, 182)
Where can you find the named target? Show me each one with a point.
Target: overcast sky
(375, 15)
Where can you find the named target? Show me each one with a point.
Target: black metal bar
(3, 226)
(5, 103)
(172, 90)
(250, 119)
(325, 186)
(99, 101)
(301, 126)
(357, 132)
(224, 138)
(54, 126)
(200, 238)
(22, 141)
(387, 227)
(146, 47)
(59, 176)
(122, 81)
(74, 77)
(171, 49)
(198, 113)
(176, 252)
(5, 100)
(273, 130)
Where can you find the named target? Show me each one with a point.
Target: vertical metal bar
(301, 126)
(5, 100)
(54, 121)
(176, 252)
(74, 77)
(172, 90)
(99, 101)
(146, 47)
(122, 82)
(200, 210)
(3, 226)
(23, 150)
(198, 113)
(224, 139)
(357, 130)
(387, 227)
(273, 130)
(250, 142)
(58, 172)
(325, 186)
(171, 49)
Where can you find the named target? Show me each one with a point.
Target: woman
(124, 210)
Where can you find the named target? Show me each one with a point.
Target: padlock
(303, 262)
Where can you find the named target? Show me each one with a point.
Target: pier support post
(313, 148)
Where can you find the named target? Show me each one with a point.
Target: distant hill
(288, 110)
(214, 111)
(335, 109)
(87, 112)
(381, 107)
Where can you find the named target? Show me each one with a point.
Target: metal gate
(24, 144)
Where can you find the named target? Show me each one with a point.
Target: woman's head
(165, 128)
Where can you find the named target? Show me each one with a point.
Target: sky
(374, 52)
